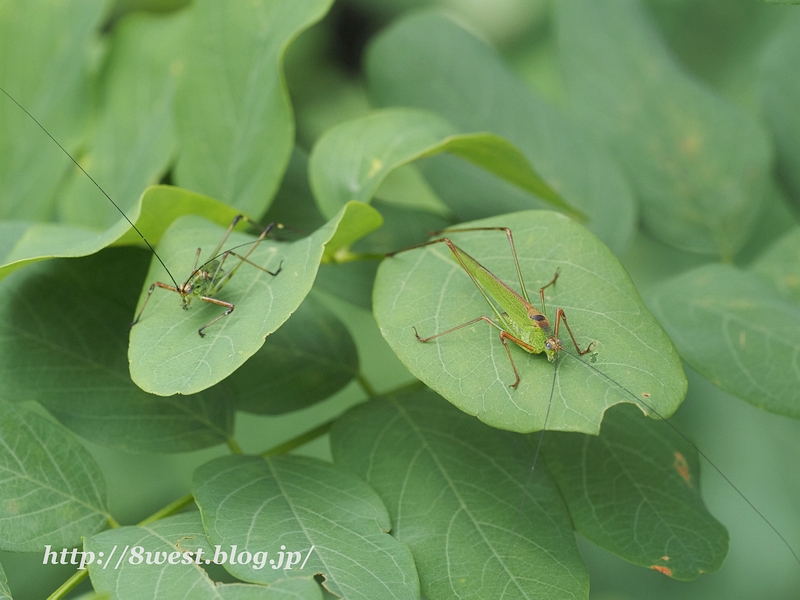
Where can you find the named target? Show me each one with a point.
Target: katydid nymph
(205, 280)
(520, 322)
(209, 278)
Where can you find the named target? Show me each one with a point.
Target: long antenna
(97, 185)
(638, 400)
(541, 437)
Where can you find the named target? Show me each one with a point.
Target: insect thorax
(533, 336)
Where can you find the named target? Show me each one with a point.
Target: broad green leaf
(463, 500)
(134, 139)
(699, 163)
(779, 87)
(402, 227)
(326, 521)
(351, 160)
(5, 593)
(632, 358)
(166, 354)
(427, 61)
(43, 45)
(233, 112)
(781, 265)
(306, 361)
(728, 59)
(63, 337)
(134, 563)
(777, 218)
(24, 242)
(350, 281)
(635, 490)
(294, 202)
(736, 330)
(52, 490)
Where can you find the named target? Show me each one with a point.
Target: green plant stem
(300, 440)
(181, 503)
(235, 448)
(169, 509)
(366, 386)
(344, 255)
(68, 585)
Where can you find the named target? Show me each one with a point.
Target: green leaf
(735, 330)
(134, 138)
(402, 226)
(427, 61)
(428, 290)
(350, 161)
(328, 521)
(635, 491)
(22, 243)
(63, 338)
(350, 281)
(779, 87)
(166, 354)
(233, 112)
(306, 361)
(5, 593)
(130, 577)
(294, 202)
(53, 492)
(699, 163)
(781, 265)
(463, 500)
(43, 44)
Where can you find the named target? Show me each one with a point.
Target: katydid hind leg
(461, 261)
(510, 238)
(504, 336)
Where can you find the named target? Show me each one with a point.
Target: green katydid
(205, 280)
(516, 318)
(527, 327)
(209, 278)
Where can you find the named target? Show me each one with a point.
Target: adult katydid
(516, 318)
(529, 328)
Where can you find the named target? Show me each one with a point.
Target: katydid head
(552, 347)
(186, 290)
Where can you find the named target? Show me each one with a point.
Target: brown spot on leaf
(683, 468)
(665, 570)
(645, 394)
(691, 144)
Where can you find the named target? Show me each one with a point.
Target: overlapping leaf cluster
(640, 164)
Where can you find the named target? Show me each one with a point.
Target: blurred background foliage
(731, 46)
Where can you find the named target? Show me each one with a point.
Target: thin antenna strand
(97, 185)
(693, 445)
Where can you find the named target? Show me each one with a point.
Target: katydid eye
(538, 317)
